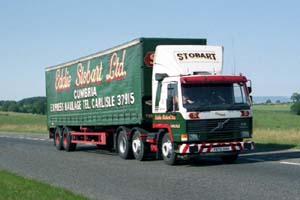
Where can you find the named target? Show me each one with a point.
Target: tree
(268, 101)
(295, 108)
(13, 107)
(35, 105)
(6, 105)
(295, 97)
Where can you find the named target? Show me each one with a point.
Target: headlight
(245, 134)
(193, 137)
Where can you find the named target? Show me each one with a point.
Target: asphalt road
(266, 174)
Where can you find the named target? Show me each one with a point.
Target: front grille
(216, 129)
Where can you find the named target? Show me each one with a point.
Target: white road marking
(25, 138)
(281, 162)
(290, 163)
(256, 159)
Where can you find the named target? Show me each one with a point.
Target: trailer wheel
(229, 159)
(124, 145)
(138, 146)
(58, 140)
(167, 148)
(67, 144)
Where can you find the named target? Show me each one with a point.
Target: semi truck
(162, 98)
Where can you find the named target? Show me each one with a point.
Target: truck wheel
(229, 159)
(138, 146)
(124, 146)
(58, 140)
(67, 144)
(167, 148)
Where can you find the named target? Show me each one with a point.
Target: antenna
(233, 56)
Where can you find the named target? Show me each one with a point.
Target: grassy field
(276, 116)
(275, 124)
(19, 122)
(13, 187)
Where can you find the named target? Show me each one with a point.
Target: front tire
(167, 149)
(124, 145)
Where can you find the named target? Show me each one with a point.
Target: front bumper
(216, 147)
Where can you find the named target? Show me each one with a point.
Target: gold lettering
(62, 79)
(165, 117)
(87, 77)
(116, 68)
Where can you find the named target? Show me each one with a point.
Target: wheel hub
(122, 146)
(167, 148)
(136, 145)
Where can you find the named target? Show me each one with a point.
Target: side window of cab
(172, 100)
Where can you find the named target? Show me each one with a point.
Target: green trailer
(120, 99)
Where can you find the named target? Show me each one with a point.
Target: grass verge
(13, 187)
(289, 137)
(274, 124)
(20, 122)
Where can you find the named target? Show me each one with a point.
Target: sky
(261, 39)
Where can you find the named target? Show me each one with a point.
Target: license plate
(220, 149)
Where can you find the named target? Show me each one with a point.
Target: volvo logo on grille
(220, 125)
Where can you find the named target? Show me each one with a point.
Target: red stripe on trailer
(87, 133)
(85, 142)
(99, 139)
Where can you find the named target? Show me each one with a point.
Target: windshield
(203, 97)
